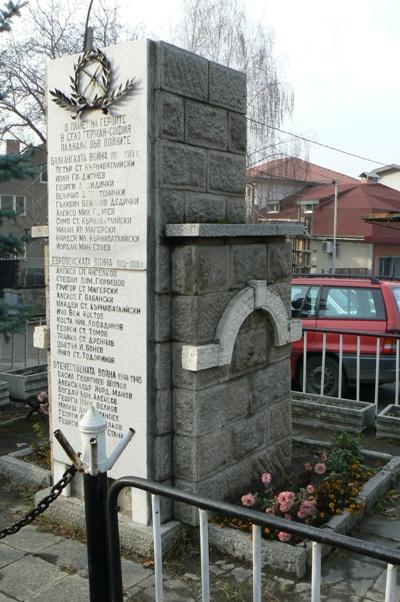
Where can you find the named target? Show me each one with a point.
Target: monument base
(134, 537)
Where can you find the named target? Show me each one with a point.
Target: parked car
(349, 303)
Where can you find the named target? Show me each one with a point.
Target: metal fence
(259, 521)
(334, 360)
(17, 350)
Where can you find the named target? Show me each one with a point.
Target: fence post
(94, 463)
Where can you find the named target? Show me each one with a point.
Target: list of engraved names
(98, 209)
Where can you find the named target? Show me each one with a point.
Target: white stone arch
(255, 296)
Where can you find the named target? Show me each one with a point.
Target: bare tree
(52, 30)
(221, 31)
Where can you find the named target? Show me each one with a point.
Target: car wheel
(331, 378)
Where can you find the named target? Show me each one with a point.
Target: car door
(353, 308)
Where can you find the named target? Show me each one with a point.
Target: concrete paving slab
(68, 554)
(134, 574)
(348, 576)
(174, 590)
(71, 588)
(380, 584)
(136, 589)
(4, 598)
(30, 539)
(9, 555)
(374, 597)
(382, 526)
(26, 577)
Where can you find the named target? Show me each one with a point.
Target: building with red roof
(363, 246)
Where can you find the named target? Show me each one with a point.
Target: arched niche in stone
(256, 296)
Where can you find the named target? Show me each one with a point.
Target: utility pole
(334, 227)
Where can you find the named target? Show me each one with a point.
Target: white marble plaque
(98, 187)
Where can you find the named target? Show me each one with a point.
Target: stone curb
(26, 474)
(12, 421)
(133, 536)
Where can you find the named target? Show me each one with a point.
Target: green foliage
(42, 447)
(346, 452)
(10, 10)
(14, 166)
(13, 318)
(11, 245)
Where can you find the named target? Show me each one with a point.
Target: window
(273, 207)
(15, 203)
(304, 301)
(396, 293)
(351, 303)
(388, 266)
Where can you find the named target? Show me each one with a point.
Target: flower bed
(326, 487)
(25, 383)
(388, 423)
(344, 482)
(332, 413)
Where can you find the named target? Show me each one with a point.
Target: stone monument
(167, 312)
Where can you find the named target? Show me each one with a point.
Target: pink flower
(323, 456)
(266, 478)
(320, 468)
(283, 536)
(310, 489)
(286, 500)
(248, 499)
(306, 508)
(270, 510)
(308, 467)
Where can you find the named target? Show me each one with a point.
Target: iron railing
(259, 521)
(359, 355)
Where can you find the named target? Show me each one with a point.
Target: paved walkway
(37, 564)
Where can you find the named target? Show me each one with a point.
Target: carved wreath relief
(91, 86)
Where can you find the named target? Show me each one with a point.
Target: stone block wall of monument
(212, 431)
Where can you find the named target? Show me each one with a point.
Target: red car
(345, 303)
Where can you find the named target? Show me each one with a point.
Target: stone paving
(37, 564)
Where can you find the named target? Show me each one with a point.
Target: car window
(396, 294)
(351, 303)
(304, 301)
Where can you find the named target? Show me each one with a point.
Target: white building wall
(350, 254)
(392, 180)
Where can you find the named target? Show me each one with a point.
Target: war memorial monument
(167, 311)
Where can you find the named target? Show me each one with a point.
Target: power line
(338, 150)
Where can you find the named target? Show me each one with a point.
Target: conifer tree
(13, 166)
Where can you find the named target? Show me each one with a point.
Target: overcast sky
(341, 59)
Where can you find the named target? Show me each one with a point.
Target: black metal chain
(44, 503)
